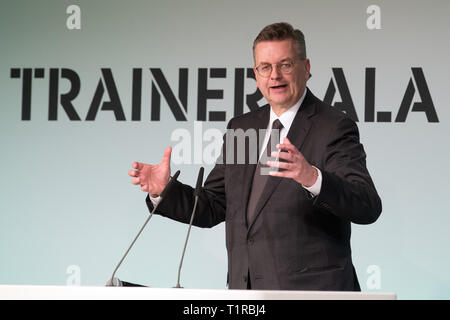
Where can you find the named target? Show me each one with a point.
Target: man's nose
(276, 73)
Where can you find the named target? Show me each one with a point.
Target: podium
(30, 292)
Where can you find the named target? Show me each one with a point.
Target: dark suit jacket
(295, 242)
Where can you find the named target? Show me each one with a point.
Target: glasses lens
(286, 67)
(264, 70)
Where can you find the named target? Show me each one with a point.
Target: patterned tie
(259, 180)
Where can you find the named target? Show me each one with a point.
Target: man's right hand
(152, 178)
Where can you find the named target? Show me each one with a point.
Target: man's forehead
(274, 43)
(274, 49)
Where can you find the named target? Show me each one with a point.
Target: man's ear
(308, 68)
(256, 75)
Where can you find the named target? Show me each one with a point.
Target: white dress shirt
(286, 119)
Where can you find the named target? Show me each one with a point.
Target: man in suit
(289, 229)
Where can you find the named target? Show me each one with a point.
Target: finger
(137, 165)
(288, 147)
(281, 174)
(277, 164)
(133, 173)
(287, 141)
(167, 155)
(136, 181)
(283, 155)
(144, 187)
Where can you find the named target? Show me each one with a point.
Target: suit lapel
(261, 122)
(297, 134)
(302, 123)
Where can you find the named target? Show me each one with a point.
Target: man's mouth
(281, 86)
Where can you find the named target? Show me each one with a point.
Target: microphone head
(169, 184)
(175, 176)
(199, 181)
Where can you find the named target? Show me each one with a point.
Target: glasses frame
(278, 65)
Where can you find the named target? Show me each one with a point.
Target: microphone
(115, 282)
(196, 194)
(199, 182)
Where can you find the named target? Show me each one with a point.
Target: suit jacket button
(250, 241)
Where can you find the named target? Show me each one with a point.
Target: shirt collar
(288, 116)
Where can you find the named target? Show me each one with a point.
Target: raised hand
(152, 178)
(295, 165)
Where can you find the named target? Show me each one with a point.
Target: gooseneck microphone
(196, 194)
(114, 282)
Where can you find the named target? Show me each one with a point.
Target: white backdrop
(68, 210)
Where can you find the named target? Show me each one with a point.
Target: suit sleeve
(347, 188)
(211, 205)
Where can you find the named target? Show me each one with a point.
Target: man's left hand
(296, 166)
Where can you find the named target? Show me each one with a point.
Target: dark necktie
(259, 180)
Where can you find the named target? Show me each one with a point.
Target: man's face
(281, 90)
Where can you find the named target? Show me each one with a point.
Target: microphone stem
(185, 243)
(129, 248)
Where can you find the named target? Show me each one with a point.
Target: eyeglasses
(285, 66)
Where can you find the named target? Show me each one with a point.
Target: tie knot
(277, 125)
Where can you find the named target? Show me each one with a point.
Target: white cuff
(154, 200)
(315, 188)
